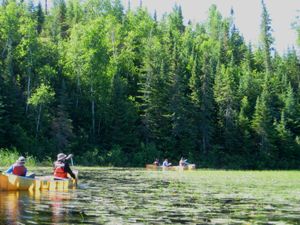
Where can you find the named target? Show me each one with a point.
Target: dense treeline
(119, 87)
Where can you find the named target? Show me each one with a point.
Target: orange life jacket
(19, 170)
(59, 170)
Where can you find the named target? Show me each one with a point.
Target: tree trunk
(38, 120)
(93, 110)
(10, 60)
(28, 92)
(78, 88)
(46, 7)
(204, 143)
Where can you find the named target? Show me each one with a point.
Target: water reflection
(10, 207)
(57, 206)
(32, 207)
(122, 196)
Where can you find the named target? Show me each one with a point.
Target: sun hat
(21, 160)
(61, 156)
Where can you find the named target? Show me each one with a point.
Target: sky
(247, 16)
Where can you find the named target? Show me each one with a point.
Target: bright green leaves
(42, 95)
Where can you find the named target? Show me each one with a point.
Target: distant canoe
(174, 168)
(10, 182)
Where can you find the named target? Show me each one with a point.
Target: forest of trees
(117, 86)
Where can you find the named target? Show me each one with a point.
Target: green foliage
(40, 18)
(122, 88)
(116, 157)
(90, 157)
(266, 37)
(62, 130)
(147, 154)
(9, 157)
(42, 95)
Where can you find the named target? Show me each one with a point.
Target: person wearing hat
(156, 162)
(18, 168)
(183, 162)
(166, 163)
(62, 167)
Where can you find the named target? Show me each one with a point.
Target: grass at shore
(9, 156)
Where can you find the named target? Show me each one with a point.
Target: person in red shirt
(18, 168)
(156, 162)
(62, 167)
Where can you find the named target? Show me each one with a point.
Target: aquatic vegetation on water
(132, 196)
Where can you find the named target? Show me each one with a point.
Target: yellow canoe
(174, 168)
(10, 182)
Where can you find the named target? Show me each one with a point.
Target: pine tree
(176, 19)
(291, 110)
(62, 20)
(225, 97)
(292, 68)
(74, 12)
(214, 23)
(266, 37)
(182, 131)
(262, 124)
(201, 83)
(285, 143)
(40, 18)
(247, 80)
(155, 92)
(245, 135)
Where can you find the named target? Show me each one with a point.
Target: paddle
(72, 164)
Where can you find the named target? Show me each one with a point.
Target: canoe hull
(16, 183)
(172, 168)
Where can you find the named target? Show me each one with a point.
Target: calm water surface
(130, 196)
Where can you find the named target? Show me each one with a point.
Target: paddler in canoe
(156, 162)
(19, 169)
(183, 162)
(62, 168)
(166, 163)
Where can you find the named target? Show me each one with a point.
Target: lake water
(132, 196)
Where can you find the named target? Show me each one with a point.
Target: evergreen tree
(182, 131)
(62, 20)
(176, 19)
(266, 37)
(262, 124)
(40, 18)
(285, 143)
(201, 83)
(214, 23)
(244, 135)
(124, 117)
(74, 12)
(155, 92)
(291, 110)
(225, 97)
